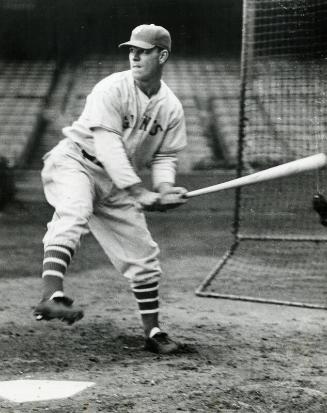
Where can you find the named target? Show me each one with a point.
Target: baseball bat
(286, 169)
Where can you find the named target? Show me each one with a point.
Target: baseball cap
(147, 36)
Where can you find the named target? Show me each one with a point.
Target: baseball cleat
(59, 308)
(160, 343)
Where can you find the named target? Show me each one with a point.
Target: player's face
(145, 63)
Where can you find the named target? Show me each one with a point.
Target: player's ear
(163, 56)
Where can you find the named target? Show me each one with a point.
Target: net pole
(246, 58)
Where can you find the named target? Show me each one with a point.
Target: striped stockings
(147, 297)
(56, 261)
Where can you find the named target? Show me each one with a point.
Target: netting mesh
(279, 252)
(285, 80)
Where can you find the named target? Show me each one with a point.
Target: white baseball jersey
(152, 130)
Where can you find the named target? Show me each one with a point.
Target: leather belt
(91, 158)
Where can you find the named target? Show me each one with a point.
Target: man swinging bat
(131, 119)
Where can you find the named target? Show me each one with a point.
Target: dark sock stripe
(146, 294)
(144, 286)
(51, 284)
(151, 305)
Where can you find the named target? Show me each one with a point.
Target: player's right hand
(143, 196)
(147, 198)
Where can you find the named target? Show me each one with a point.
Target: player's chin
(137, 71)
(139, 74)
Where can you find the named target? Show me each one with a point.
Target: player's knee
(144, 272)
(83, 217)
(78, 212)
(68, 226)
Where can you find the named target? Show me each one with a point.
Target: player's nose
(135, 55)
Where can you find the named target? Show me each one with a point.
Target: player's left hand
(174, 195)
(170, 197)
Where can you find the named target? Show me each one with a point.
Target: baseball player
(131, 119)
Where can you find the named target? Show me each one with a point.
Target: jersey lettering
(145, 121)
(127, 121)
(156, 127)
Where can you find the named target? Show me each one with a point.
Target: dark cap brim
(138, 43)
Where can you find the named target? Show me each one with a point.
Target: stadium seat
(24, 87)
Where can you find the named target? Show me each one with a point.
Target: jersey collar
(161, 94)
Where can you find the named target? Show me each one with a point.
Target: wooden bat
(286, 169)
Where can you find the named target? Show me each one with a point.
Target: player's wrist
(136, 189)
(164, 187)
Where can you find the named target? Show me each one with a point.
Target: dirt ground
(235, 356)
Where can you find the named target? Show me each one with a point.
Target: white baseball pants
(85, 198)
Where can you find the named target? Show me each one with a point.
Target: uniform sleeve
(111, 153)
(164, 163)
(102, 109)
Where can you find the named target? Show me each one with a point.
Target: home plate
(37, 390)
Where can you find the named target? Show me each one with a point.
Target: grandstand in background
(50, 64)
(24, 89)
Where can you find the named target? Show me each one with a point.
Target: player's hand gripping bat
(172, 198)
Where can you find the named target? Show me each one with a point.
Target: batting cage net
(279, 253)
